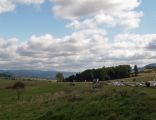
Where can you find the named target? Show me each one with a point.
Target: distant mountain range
(35, 73)
(150, 66)
(51, 74)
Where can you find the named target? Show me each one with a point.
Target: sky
(74, 35)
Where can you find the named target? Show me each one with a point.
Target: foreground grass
(59, 101)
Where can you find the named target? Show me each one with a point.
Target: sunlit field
(46, 100)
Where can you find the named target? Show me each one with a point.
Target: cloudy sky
(73, 35)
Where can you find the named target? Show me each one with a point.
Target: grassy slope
(59, 101)
(141, 77)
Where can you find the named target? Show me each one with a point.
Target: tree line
(4, 75)
(103, 74)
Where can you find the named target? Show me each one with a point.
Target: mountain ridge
(35, 73)
(150, 66)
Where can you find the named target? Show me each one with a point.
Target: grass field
(43, 100)
(141, 77)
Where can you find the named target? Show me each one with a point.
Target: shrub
(148, 84)
(18, 86)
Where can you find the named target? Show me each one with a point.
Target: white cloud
(88, 13)
(97, 12)
(81, 50)
(10, 5)
(30, 1)
(6, 6)
(8, 50)
(89, 45)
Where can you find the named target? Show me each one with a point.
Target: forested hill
(5, 75)
(150, 66)
(104, 73)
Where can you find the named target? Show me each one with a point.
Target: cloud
(88, 46)
(97, 12)
(86, 14)
(28, 2)
(10, 5)
(8, 50)
(134, 47)
(79, 51)
(62, 53)
(6, 6)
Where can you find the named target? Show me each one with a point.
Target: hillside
(43, 100)
(35, 73)
(150, 66)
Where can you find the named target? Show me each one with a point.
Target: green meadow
(46, 100)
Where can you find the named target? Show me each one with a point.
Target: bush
(18, 86)
(148, 84)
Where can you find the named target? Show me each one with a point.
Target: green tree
(59, 77)
(104, 73)
(135, 70)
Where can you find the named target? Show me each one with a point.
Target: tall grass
(59, 101)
